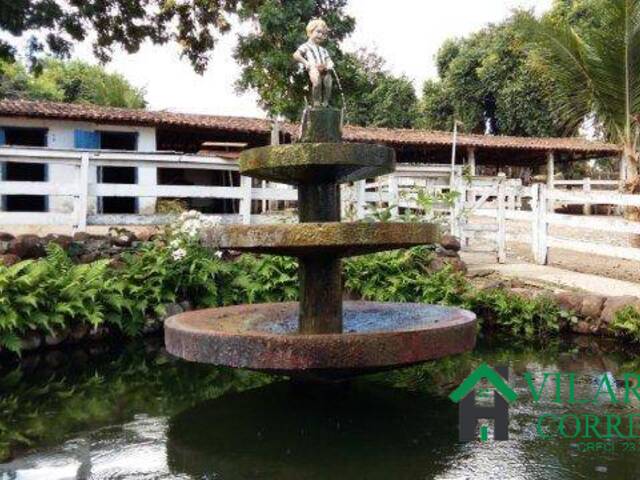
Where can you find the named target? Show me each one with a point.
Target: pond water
(135, 412)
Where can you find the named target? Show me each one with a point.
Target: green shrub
(626, 321)
(403, 276)
(53, 293)
(521, 317)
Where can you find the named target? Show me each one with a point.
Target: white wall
(61, 135)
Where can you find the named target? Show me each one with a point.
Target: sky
(407, 36)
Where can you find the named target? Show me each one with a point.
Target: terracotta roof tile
(84, 112)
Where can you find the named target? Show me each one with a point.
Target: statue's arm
(298, 57)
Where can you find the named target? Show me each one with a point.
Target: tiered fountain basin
(321, 337)
(377, 336)
(331, 238)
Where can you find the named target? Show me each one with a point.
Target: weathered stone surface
(78, 332)
(172, 309)
(321, 125)
(82, 236)
(56, 338)
(446, 253)
(27, 246)
(340, 239)
(613, 304)
(569, 301)
(9, 259)
(264, 337)
(449, 242)
(317, 162)
(456, 264)
(186, 305)
(121, 237)
(31, 341)
(591, 306)
(64, 241)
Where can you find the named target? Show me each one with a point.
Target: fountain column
(320, 274)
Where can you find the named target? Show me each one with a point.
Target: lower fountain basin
(377, 336)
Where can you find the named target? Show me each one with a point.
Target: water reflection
(140, 414)
(286, 431)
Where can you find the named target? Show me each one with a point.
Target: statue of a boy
(317, 61)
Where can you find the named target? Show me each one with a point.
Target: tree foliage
(265, 54)
(595, 65)
(372, 95)
(489, 78)
(55, 25)
(72, 82)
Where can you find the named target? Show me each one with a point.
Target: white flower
(175, 243)
(178, 254)
(218, 253)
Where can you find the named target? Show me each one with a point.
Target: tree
(372, 95)
(125, 23)
(266, 53)
(596, 71)
(490, 79)
(72, 82)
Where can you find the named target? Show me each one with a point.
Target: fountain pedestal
(318, 337)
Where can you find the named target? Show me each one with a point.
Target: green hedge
(53, 293)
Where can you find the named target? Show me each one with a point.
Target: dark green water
(135, 412)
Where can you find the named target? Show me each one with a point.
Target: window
(24, 172)
(25, 137)
(122, 175)
(119, 141)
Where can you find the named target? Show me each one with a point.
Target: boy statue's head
(317, 30)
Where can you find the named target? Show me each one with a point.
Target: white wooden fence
(81, 188)
(396, 191)
(538, 204)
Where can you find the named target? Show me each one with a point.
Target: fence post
(502, 225)
(586, 188)
(540, 218)
(535, 187)
(81, 206)
(394, 195)
(360, 198)
(245, 201)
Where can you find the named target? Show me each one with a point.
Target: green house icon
(469, 413)
(480, 373)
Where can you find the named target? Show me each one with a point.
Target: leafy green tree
(58, 24)
(490, 78)
(372, 95)
(596, 71)
(265, 54)
(72, 82)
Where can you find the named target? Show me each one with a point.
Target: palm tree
(596, 73)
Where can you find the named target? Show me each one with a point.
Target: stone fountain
(321, 336)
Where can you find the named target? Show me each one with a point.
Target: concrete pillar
(147, 176)
(471, 161)
(551, 170)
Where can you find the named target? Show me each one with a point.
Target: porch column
(147, 176)
(471, 161)
(551, 171)
(623, 169)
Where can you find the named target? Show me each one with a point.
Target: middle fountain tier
(319, 336)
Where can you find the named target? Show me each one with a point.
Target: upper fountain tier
(319, 157)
